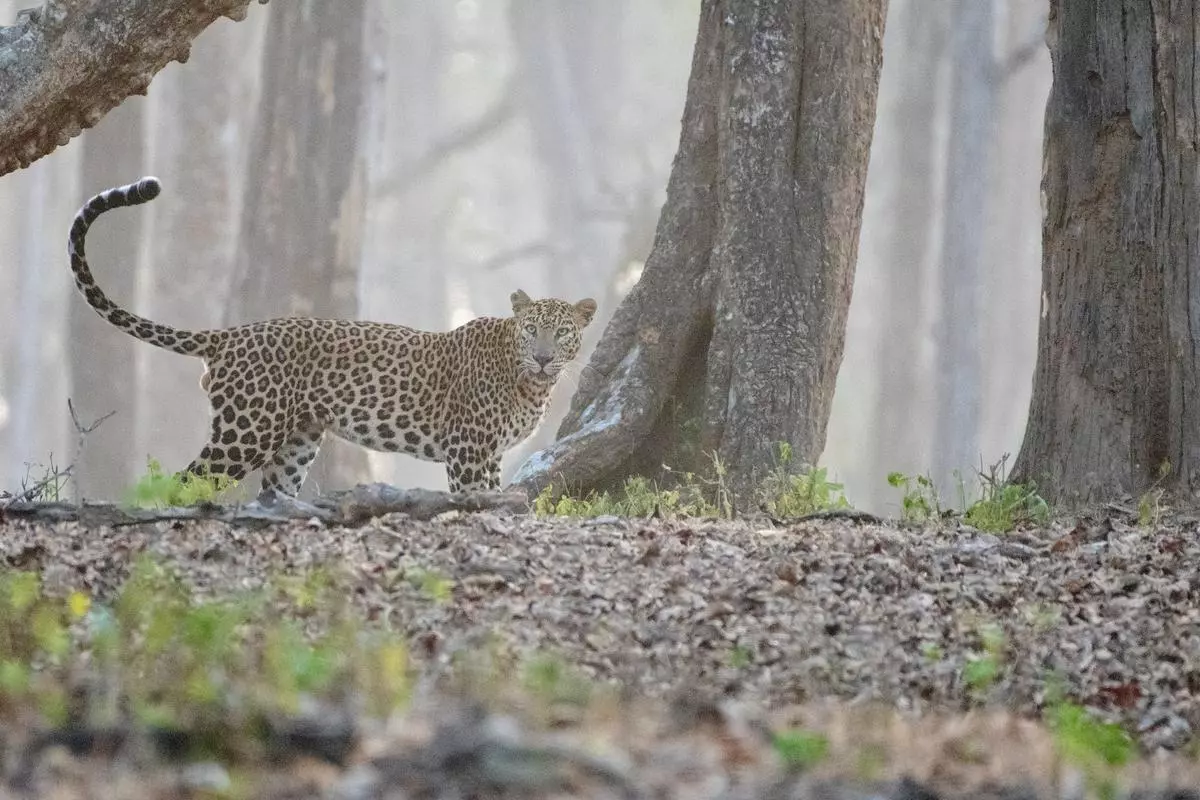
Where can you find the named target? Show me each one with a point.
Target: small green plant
(984, 667)
(919, 501)
(800, 750)
(1004, 505)
(432, 583)
(789, 491)
(552, 680)
(42, 483)
(1085, 740)
(1150, 504)
(638, 497)
(207, 668)
(157, 489)
(740, 656)
(932, 652)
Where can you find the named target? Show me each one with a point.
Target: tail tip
(148, 187)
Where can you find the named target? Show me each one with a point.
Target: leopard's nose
(542, 359)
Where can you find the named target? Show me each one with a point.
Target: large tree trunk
(302, 223)
(103, 360)
(1116, 392)
(731, 340)
(64, 65)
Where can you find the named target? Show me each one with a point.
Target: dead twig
(82, 431)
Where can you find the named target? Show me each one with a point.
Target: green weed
(553, 680)
(919, 501)
(984, 667)
(639, 497)
(1150, 504)
(157, 489)
(164, 658)
(789, 491)
(740, 656)
(1003, 505)
(800, 750)
(432, 583)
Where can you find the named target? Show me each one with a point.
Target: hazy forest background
(489, 146)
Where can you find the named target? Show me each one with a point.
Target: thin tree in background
(731, 340)
(569, 76)
(1116, 392)
(200, 117)
(302, 219)
(103, 361)
(902, 399)
(959, 401)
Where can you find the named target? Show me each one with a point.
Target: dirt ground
(712, 636)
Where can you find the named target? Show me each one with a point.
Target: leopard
(277, 388)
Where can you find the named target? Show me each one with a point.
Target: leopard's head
(549, 333)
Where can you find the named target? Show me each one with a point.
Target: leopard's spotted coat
(460, 397)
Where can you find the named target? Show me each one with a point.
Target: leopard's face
(548, 334)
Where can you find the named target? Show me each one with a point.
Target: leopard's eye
(531, 328)
(563, 332)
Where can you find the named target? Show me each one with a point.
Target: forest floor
(679, 658)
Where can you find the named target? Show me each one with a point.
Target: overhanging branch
(67, 63)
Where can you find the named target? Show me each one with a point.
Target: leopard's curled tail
(188, 343)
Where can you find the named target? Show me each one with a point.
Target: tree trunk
(103, 360)
(25, 386)
(731, 340)
(194, 229)
(1116, 392)
(301, 232)
(571, 75)
(959, 369)
(1012, 261)
(902, 401)
(406, 259)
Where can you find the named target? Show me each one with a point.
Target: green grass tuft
(157, 489)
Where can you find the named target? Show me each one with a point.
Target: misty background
(522, 144)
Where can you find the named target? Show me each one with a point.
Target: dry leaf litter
(718, 633)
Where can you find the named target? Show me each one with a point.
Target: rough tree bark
(731, 340)
(103, 360)
(66, 63)
(1116, 391)
(302, 215)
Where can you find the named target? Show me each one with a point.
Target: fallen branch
(66, 63)
(357, 505)
(352, 507)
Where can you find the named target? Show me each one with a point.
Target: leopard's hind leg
(289, 464)
(242, 439)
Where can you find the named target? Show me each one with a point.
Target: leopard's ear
(584, 311)
(520, 301)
